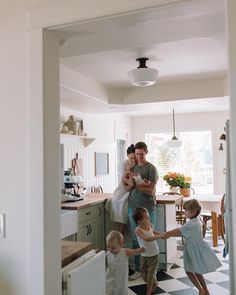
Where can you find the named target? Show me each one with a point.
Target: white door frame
(44, 121)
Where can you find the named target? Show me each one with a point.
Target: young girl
(117, 264)
(146, 237)
(198, 256)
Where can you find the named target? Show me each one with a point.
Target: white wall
(102, 129)
(214, 121)
(14, 160)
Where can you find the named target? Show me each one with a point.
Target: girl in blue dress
(199, 258)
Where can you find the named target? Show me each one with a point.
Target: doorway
(55, 164)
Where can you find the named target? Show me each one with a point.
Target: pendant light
(142, 76)
(174, 142)
(221, 148)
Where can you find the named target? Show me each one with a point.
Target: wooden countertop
(71, 250)
(168, 199)
(91, 199)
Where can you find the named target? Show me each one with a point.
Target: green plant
(185, 182)
(173, 179)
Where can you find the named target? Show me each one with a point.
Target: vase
(174, 189)
(185, 192)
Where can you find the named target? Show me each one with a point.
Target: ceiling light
(142, 76)
(223, 136)
(221, 148)
(174, 142)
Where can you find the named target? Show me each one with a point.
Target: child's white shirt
(151, 247)
(117, 273)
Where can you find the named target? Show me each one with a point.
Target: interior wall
(214, 121)
(102, 129)
(14, 195)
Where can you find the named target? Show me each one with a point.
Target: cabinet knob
(88, 213)
(88, 230)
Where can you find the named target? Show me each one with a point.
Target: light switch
(2, 226)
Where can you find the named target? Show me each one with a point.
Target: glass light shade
(143, 77)
(174, 143)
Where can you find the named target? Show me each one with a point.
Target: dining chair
(180, 216)
(96, 189)
(218, 227)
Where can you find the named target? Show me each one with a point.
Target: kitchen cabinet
(88, 232)
(91, 225)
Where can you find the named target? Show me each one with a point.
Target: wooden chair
(96, 189)
(180, 216)
(218, 227)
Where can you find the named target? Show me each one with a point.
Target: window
(194, 158)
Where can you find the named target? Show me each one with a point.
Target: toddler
(147, 237)
(117, 264)
(199, 258)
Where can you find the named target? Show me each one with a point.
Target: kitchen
(106, 122)
(37, 205)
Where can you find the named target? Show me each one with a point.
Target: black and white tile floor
(175, 281)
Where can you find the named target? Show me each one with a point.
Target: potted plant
(173, 179)
(185, 186)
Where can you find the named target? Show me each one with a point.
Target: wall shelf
(68, 138)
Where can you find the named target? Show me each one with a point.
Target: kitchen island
(91, 199)
(94, 223)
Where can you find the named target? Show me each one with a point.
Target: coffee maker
(73, 187)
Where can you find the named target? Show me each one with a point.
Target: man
(142, 193)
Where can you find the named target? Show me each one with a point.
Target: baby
(117, 264)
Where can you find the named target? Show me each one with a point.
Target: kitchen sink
(68, 223)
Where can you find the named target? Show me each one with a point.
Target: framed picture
(101, 164)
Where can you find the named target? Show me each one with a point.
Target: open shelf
(67, 137)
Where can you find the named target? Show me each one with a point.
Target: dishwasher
(85, 276)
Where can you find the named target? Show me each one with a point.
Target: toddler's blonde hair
(114, 236)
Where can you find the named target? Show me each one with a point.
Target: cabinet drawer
(87, 213)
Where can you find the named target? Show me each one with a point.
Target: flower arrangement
(175, 179)
(185, 182)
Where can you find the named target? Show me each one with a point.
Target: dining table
(212, 203)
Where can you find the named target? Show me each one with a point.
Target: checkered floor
(176, 282)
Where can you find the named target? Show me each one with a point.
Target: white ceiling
(184, 41)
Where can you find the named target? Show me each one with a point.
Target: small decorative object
(72, 125)
(77, 165)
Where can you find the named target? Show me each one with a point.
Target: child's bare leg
(202, 282)
(196, 283)
(149, 287)
(154, 285)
